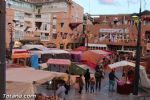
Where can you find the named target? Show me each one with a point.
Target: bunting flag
(74, 25)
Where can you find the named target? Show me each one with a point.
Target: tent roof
(29, 75)
(101, 52)
(19, 51)
(54, 52)
(122, 64)
(20, 55)
(81, 48)
(76, 52)
(59, 61)
(96, 45)
(30, 46)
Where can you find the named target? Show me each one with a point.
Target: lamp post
(138, 53)
(84, 29)
(2, 49)
(11, 37)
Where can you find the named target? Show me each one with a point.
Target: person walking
(60, 92)
(92, 84)
(98, 76)
(81, 84)
(87, 80)
(112, 78)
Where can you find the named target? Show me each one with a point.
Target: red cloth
(81, 48)
(124, 88)
(59, 61)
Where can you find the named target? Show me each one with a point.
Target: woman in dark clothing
(87, 80)
(80, 84)
(112, 78)
(98, 76)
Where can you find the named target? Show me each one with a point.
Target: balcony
(31, 19)
(42, 20)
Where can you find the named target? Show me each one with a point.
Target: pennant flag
(74, 25)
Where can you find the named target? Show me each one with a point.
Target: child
(92, 84)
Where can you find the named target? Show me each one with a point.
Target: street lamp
(11, 38)
(84, 29)
(138, 52)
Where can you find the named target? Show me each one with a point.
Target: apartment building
(45, 21)
(119, 32)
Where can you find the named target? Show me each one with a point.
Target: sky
(97, 7)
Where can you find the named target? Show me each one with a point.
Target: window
(54, 26)
(54, 36)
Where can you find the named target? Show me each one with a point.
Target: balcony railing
(121, 42)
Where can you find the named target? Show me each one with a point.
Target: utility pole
(138, 55)
(84, 29)
(11, 38)
(2, 49)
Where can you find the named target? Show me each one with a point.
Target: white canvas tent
(144, 80)
(23, 81)
(30, 46)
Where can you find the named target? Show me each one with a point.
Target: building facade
(119, 32)
(45, 21)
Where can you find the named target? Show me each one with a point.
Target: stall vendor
(131, 75)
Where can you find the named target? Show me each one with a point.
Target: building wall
(33, 19)
(124, 24)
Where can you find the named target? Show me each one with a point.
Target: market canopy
(101, 52)
(59, 61)
(22, 81)
(54, 51)
(19, 51)
(76, 52)
(32, 47)
(122, 64)
(81, 48)
(144, 80)
(30, 75)
(20, 55)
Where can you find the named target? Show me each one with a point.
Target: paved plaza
(103, 94)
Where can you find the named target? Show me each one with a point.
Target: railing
(120, 42)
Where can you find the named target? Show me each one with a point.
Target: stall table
(124, 87)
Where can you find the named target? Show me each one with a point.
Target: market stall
(81, 48)
(76, 56)
(125, 85)
(20, 56)
(55, 54)
(59, 65)
(24, 81)
(92, 57)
